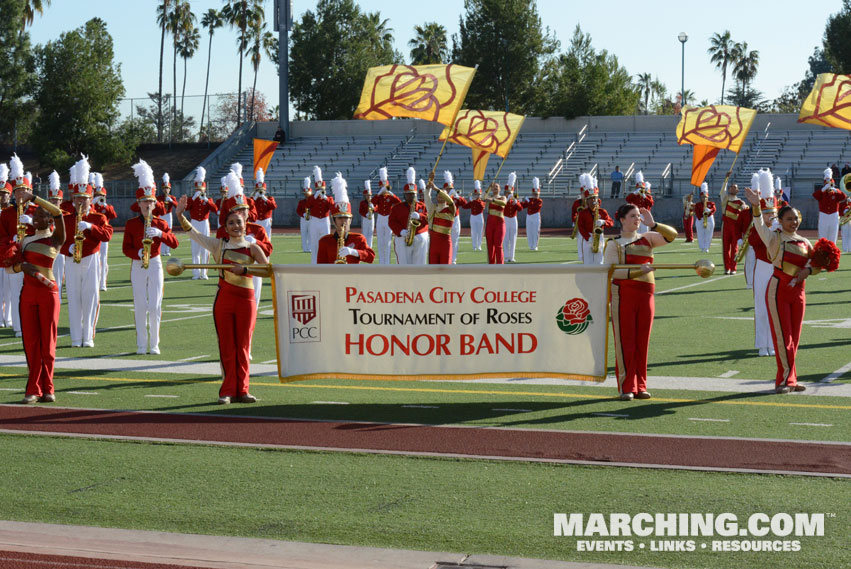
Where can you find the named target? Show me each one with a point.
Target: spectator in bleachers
(834, 169)
(617, 180)
(845, 170)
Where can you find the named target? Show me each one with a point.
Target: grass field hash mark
(837, 374)
(812, 424)
(194, 358)
(81, 392)
(728, 374)
(710, 420)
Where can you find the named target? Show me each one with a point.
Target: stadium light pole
(683, 37)
(283, 24)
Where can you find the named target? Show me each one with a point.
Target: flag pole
(451, 126)
(729, 173)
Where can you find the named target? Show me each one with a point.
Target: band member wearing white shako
(763, 267)
(384, 203)
(320, 210)
(592, 222)
(704, 215)
(264, 205)
(144, 236)
(99, 205)
(302, 210)
(5, 288)
(512, 208)
(85, 230)
(200, 207)
(828, 197)
(455, 235)
(167, 201)
(533, 207)
(409, 223)
(366, 210)
(844, 225)
(476, 205)
(640, 197)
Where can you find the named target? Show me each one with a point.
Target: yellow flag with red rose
(710, 129)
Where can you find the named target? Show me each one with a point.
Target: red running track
(513, 444)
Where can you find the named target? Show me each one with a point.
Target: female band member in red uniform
(354, 247)
(495, 228)
(632, 300)
(40, 299)
(234, 309)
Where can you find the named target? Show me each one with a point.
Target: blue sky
(643, 35)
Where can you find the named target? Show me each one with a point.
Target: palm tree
(746, 66)
(188, 46)
(240, 14)
(721, 50)
(211, 20)
(261, 40)
(162, 20)
(381, 33)
(645, 87)
(30, 9)
(429, 46)
(181, 22)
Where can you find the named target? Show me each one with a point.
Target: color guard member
(460, 202)
(731, 226)
(441, 216)
(495, 229)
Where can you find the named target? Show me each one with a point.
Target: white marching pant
(304, 229)
(455, 234)
(16, 283)
(533, 230)
(367, 227)
(704, 234)
(81, 288)
(588, 256)
(165, 250)
(762, 328)
(750, 266)
(103, 264)
(846, 238)
(509, 242)
(319, 227)
(266, 224)
(59, 272)
(199, 254)
(828, 226)
(579, 247)
(477, 225)
(5, 300)
(258, 286)
(147, 302)
(416, 253)
(384, 237)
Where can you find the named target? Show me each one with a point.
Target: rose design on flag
(710, 126)
(574, 317)
(828, 104)
(403, 87)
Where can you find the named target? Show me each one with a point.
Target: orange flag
(429, 92)
(710, 129)
(480, 163)
(702, 159)
(263, 152)
(491, 131)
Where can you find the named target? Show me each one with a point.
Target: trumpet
(146, 244)
(22, 227)
(413, 225)
(598, 231)
(705, 211)
(79, 237)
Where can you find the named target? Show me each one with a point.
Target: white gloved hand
(84, 226)
(153, 232)
(196, 196)
(599, 223)
(15, 238)
(348, 252)
(452, 193)
(264, 198)
(739, 243)
(403, 233)
(415, 216)
(250, 239)
(70, 247)
(25, 219)
(141, 253)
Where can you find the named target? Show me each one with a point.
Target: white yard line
(700, 282)
(712, 420)
(812, 424)
(728, 374)
(421, 406)
(837, 374)
(81, 392)
(194, 358)
(166, 396)
(10, 389)
(329, 402)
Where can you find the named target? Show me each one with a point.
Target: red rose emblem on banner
(574, 317)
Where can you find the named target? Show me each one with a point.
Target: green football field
(702, 332)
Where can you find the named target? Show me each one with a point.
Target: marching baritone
(632, 302)
(343, 246)
(234, 309)
(320, 208)
(302, 210)
(441, 213)
(828, 197)
(85, 230)
(200, 206)
(460, 201)
(688, 217)
(144, 236)
(512, 207)
(167, 203)
(264, 205)
(99, 205)
(495, 228)
(533, 207)
(704, 212)
(477, 207)
(384, 202)
(408, 221)
(366, 210)
(592, 222)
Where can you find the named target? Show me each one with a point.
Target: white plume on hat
(593, 181)
(639, 177)
(410, 175)
(144, 173)
(259, 176)
(755, 181)
(16, 168)
(704, 188)
(29, 178)
(536, 183)
(340, 188)
(778, 184)
(512, 179)
(585, 181)
(224, 182)
(828, 174)
(80, 171)
(305, 184)
(646, 184)
(447, 178)
(99, 180)
(317, 174)
(200, 174)
(422, 184)
(92, 179)
(166, 179)
(53, 179)
(477, 185)
(367, 186)
(234, 187)
(236, 167)
(766, 183)
(4, 173)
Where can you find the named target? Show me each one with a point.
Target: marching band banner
(440, 322)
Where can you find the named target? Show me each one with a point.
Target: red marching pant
(439, 249)
(39, 308)
(234, 312)
(729, 248)
(688, 228)
(786, 306)
(633, 306)
(495, 234)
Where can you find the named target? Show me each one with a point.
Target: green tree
(792, 97)
(241, 14)
(645, 88)
(181, 22)
(837, 48)
(721, 51)
(332, 48)
(429, 46)
(506, 40)
(30, 9)
(261, 41)
(746, 65)
(212, 21)
(182, 127)
(162, 21)
(78, 91)
(16, 74)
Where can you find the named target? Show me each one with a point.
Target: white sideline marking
(194, 358)
(267, 362)
(10, 389)
(701, 282)
(514, 410)
(837, 374)
(421, 406)
(610, 414)
(812, 424)
(329, 402)
(117, 355)
(81, 392)
(168, 396)
(730, 373)
(713, 420)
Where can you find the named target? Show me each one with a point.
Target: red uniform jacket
(106, 210)
(200, 209)
(363, 208)
(9, 223)
(327, 253)
(512, 207)
(698, 210)
(265, 207)
(67, 207)
(168, 202)
(459, 203)
(399, 218)
(574, 209)
(134, 232)
(320, 207)
(255, 230)
(745, 219)
(385, 202)
(640, 200)
(159, 208)
(252, 208)
(585, 222)
(829, 200)
(758, 245)
(534, 205)
(301, 208)
(476, 206)
(101, 231)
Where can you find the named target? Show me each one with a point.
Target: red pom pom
(826, 255)
(10, 255)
